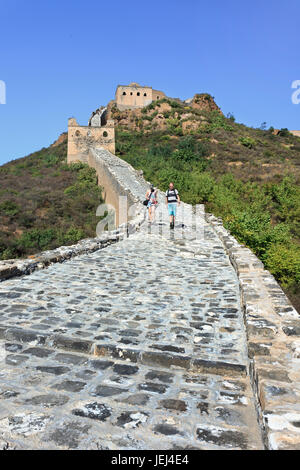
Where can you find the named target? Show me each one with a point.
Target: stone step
(148, 357)
(54, 398)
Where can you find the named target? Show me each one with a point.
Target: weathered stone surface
(159, 375)
(13, 347)
(166, 429)
(131, 419)
(15, 359)
(259, 349)
(173, 404)
(68, 435)
(56, 370)
(93, 410)
(116, 352)
(48, 400)
(125, 369)
(24, 424)
(85, 374)
(165, 359)
(278, 375)
(39, 352)
(107, 391)
(71, 359)
(137, 399)
(153, 387)
(101, 365)
(224, 438)
(273, 395)
(72, 344)
(9, 394)
(292, 329)
(218, 367)
(70, 385)
(25, 336)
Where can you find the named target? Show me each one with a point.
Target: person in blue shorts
(172, 199)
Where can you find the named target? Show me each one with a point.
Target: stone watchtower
(100, 133)
(134, 96)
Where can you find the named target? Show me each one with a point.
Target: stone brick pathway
(140, 345)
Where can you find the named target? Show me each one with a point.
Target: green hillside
(45, 203)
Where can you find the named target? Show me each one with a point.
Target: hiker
(172, 197)
(151, 195)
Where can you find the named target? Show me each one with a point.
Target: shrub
(248, 142)
(231, 117)
(71, 236)
(255, 230)
(284, 132)
(203, 186)
(51, 160)
(38, 239)
(218, 121)
(284, 263)
(9, 208)
(162, 150)
(75, 166)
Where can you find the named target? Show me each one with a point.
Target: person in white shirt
(172, 199)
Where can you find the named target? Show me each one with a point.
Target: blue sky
(65, 58)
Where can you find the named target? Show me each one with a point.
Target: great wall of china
(145, 339)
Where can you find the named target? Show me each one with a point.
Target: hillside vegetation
(45, 203)
(249, 177)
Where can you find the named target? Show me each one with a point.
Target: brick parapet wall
(273, 334)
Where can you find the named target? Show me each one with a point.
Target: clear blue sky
(65, 58)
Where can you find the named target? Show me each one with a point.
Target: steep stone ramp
(143, 344)
(140, 345)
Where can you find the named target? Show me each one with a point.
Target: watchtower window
(157, 97)
(124, 92)
(131, 93)
(105, 134)
(138, 93)
(145, 94)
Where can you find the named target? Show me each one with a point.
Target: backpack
(174, 192)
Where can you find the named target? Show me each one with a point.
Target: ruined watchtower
(100, 133)
(136, 96)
